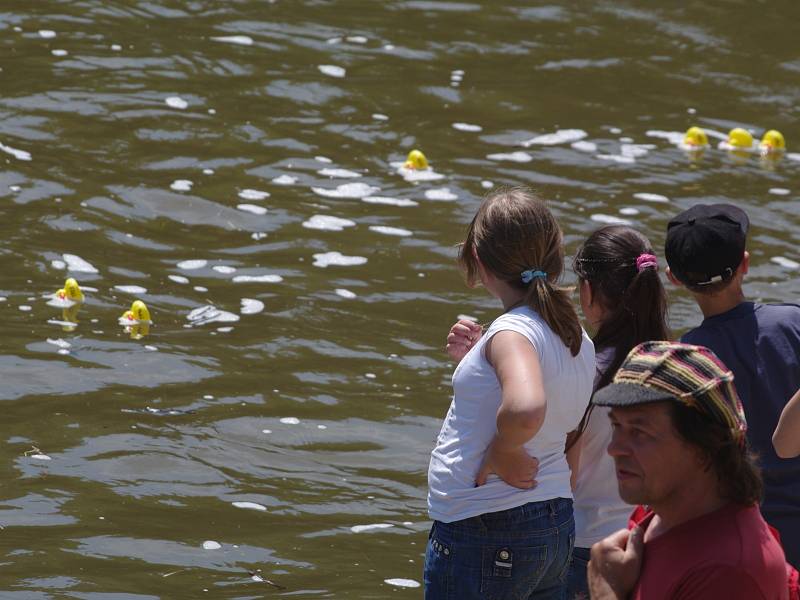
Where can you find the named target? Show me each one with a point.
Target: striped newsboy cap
(692, 375)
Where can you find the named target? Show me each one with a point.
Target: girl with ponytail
(624, 301)
(519, 388)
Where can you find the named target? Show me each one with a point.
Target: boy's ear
(745, 264)
(672, 278)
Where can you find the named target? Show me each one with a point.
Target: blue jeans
(577, 582)
(521, 553)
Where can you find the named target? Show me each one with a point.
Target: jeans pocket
(512, 571)
(438, 570)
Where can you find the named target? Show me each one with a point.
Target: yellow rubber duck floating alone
(71, 291)
(136, 320)
(772, 143)
(416, 160)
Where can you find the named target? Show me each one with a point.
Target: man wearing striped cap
(680, 449)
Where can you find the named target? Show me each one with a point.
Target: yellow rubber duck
(70, 291)
(773, 141)
(416, 160)
(740, 139)
(138, 312)
(695, 138)
(136, 320)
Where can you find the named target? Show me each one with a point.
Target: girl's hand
(514, 466)
(463, 336)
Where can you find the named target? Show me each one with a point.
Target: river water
(238, 160)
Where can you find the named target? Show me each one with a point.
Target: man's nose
(617, 446)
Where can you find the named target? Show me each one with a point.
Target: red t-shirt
(729, 553)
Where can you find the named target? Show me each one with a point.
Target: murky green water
(121, 457)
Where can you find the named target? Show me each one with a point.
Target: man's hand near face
(615, 565)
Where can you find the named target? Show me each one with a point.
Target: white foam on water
(389, 201)
(440, 194)
(200, 288)
(40, 457)
(116, 47)
(398, 582)
(181, 185)
(673, 137)
(584, 146)
(241, 40)
(14, 188)
(779, 191)
(258, 235)
(178, 278)
(267, 431)
(615, 130)
(363, 528)
(284, 180)
(224, 329)
(340, 173)
(249, 194)
(58, 264)
(251, 306)
(210, 314)
(192, 264)
(323, 159)
(63, 350)
(3, 299)
(628, 211)
(519, 156)
(224, 269)
(59, 52)
(208, 171)
(787, 263)
(25, 308)
(415, 175)
(380, 117)
(332, 70)
(635, 150)
(467, 127)
(176, 102)
(77, 264)
(391, 230)
(647, 197)
(327, 259)
(18, 154)
(356, 39)
(344, 293)
(252, 209)
(793, 156)
(610, 220)
(211, 545)
(347, 190)
(626, 140)
(627, 160)
(257, 279)
(290, 420)
(250, 505)
(47, 34)
(130, 289)
(59, 342)
(561, 136)
(388, 47)
(151, 348)
(327, 223)
(57, 302)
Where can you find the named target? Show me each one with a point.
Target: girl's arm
(521, 412)
(786, 438)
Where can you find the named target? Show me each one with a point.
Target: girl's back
(470, 423)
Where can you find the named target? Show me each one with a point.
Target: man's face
(653, 463)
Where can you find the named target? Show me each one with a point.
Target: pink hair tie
(645, 261)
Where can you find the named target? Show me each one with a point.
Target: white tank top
(471, 423)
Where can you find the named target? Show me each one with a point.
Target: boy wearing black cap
(760, 343)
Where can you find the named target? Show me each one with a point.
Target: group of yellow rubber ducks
(136, 320)
(739, 140)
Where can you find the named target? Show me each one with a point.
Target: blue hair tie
(531, 274)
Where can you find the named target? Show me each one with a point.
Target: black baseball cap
(705, 244)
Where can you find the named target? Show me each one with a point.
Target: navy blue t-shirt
(760, 343)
